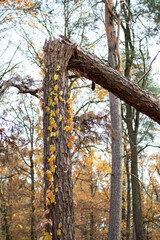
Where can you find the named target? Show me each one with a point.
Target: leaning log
(93, 68)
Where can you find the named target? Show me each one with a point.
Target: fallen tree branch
(94, 69)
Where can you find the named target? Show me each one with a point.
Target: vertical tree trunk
(136, 194)
(128, 199)
(132, 120)
(116, 177)
(91, 213)
(32, 198)
(57, 124)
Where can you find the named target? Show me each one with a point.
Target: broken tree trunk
(57, 124)
(91, 67)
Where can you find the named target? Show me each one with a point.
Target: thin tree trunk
(128, 198)
(91, 214)
(132, 120)
(136, 194)
(115, 109)
(57, 124)
(32, 199)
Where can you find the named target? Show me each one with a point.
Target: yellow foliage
(60, 98)
(51, 196)
(52, 149)
(59, 232)
(55, 77)
(53, 169)
(60, 118)
(57, 112)
(56, 87)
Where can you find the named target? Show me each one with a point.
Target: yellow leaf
(68, 128)
(60, 118)
(52, 113)
(19, 226)
(50, 128)
(49, 237)
(49, 175)
(56, 87)
(56, 99)
(56, 189)
(57, 112)
(52, 158)
(55, 77)
(52, 149)
(48, 201)
(58, 68)
(60, 98)
(53, 169)
(59, 232)
(51, 197)
(60, 225)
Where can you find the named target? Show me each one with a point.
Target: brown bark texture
(93, 68)
(115, 110)
(57, 166)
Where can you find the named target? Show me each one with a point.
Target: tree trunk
(136, 195)
(115, 109)
(57, 124)
(132, 120)
(32, 198)
(128, 199)
(91, 67)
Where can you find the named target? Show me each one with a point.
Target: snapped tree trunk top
(93, 68)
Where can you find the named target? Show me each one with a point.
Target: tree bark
(115, 110)
(128, 198)
(132, 120)
(136, 194)
(57, 126)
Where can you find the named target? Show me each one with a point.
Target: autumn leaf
(75, 150)
(69, 121)
(60, 98)
(57, 112)
(60, 225)
(51, 196)
(71, 138)
(58, 68)
(55, 77)
(19, 226)
(52, 149)
(59, 232)
(70, 144)
(53, 169)
(56, 87)
(60, 118)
